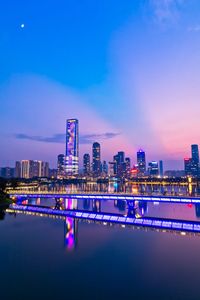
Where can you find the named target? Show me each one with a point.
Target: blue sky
(129, 70)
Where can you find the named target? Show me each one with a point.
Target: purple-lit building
(141, 161)
(72, 147)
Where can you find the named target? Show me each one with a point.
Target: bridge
(104, 196)
(145, 222)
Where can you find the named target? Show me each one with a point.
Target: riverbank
(5, 201)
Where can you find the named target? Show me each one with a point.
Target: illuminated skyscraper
(72, 147)
(141, 161)
(128, 166)
(105, 168)
(153, 168)
(121, 157)
(26, 169)
(111, 168)
(96, 159)
(32, 168)
(195, 153)
(120, 165)
(86, 164)
(195, 160)
(161, 172)
(188, 166)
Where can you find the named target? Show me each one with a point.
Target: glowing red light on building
(189, 205)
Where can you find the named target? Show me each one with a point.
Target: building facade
(128, 166)
(153, 169)
(141, 161)
(195, 160)
(96, 159)
(119, 164)
(61, 166)
(72, 147)
(7, 172)
(31, 168)
(86, 164)
(161, 171)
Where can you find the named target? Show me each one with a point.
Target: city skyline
(120, 166)
(108, 83)
(73, 163)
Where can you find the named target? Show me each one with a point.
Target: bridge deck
(107, 196)
(169, 224)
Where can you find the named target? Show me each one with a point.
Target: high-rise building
(36, 168)
(7, 172)
(153, 169)
(195, 160)
(31, 168)
(72, 147)
(161, 172)
(141, 161)
(18, 169)
(86, 164)
(120, 164)
(128, 166)
(188, 166)
(61, 166)
(115, 164)
(105, 168)
(45, 169)
(26, 169)
(121, 156)
(96, 159)
(111, 168)
(195, 153)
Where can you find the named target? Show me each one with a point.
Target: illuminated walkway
(156, 223)
(105, 196)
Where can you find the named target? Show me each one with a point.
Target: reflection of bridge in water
(70, 216)
(66, 209)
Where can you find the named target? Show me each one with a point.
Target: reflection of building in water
(86, 204)
(71, 233)
(197, 210)
(96, 205)
(71, 225)
(142, 207)
(112, 187)
(70, 203)
(120, 204)
(136, 209)
(38, 201)
(134, 189)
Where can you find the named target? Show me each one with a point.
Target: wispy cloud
(166, 10)
(56, 138)
(88, 138)
(194, 28)
(60, 137)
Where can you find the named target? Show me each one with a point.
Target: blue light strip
(162, 199)
(180, 225)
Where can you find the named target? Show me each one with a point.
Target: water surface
(49, 258)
